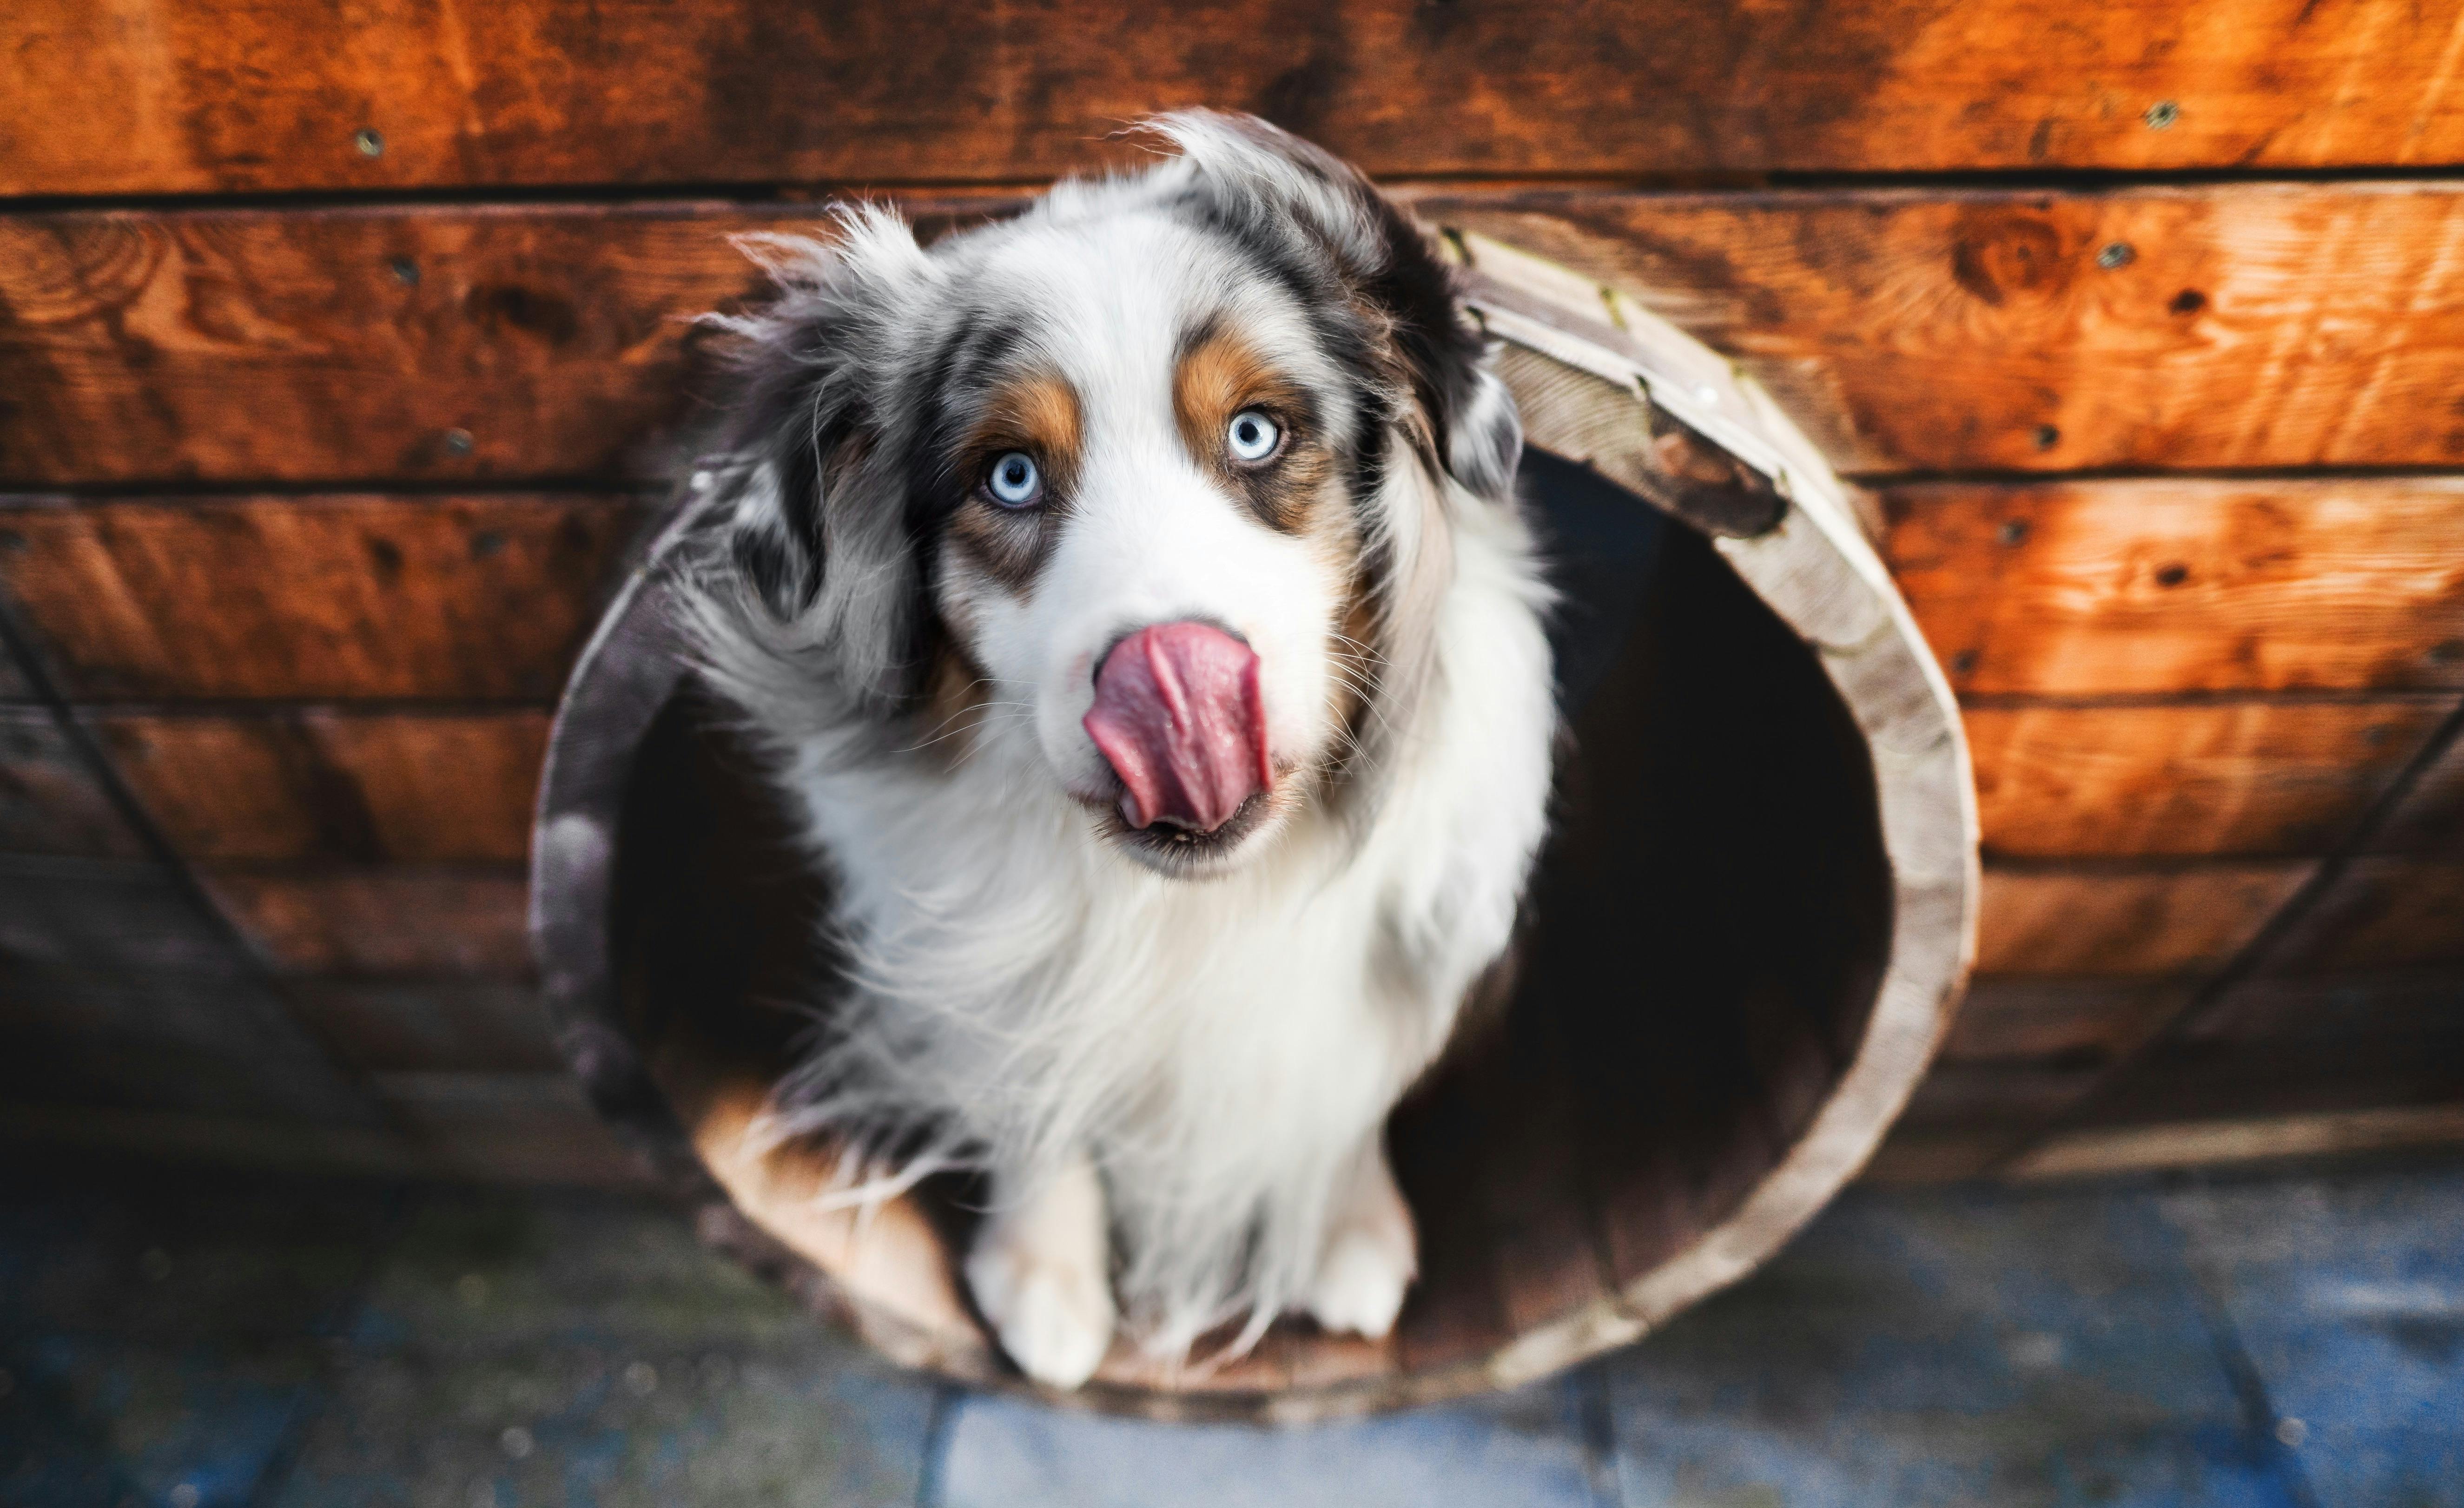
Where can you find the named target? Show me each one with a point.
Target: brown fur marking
(1216, 376)
(955, 695)
(1038, 413)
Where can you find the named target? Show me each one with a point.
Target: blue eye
(1015, 482)
(1253, 435)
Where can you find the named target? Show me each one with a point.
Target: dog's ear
(808, 520)
(1269, 182)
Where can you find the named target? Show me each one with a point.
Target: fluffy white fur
(1182, 1072)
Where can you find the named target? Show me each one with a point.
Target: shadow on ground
(196, 1340)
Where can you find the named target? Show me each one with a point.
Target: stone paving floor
(200, 1340)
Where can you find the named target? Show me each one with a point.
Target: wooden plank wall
(336, 362)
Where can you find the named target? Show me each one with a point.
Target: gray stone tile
(2010, 1350)
(2348, 1295)
(90, 1421)
(307, 1345)
(162, 1331)
(179, 1256)
(577, 1349)
(1522, 1450)
(501, 1270)
(574, 1426)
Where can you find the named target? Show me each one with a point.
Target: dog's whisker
(979, 712)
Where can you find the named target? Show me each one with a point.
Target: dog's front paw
(1039, 1274)
(1054, 1318)
(1360, 1282)
(1372, 1255)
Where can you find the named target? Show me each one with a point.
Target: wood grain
(2381, 1003)
(2249, 777)
(319, 597)
(2382, 912)
(435, 343)
(1532, 1183)
(331, 784)
(188, 96)
(2255, 325)
(457, 922)
(2217, 1081)
(251, 1141)
(2429, 819)
(2074, 1021)
(51, 801)
(2250, 326)
(101, 1035)
(2270, 1048)
(511, 1129)
(2139, 1148)
(1912, 1157)
(428, 1025)
(107, 916)
(2126, 919)
(2180, 584)
(2010, 1098)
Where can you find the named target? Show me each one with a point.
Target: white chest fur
(1221, 1049)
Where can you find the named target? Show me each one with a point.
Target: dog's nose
(1179, 718)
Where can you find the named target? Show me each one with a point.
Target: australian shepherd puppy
(1134, 599)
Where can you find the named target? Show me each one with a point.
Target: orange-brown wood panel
(2218, 1082)
(191, 97)
(324, 596)
(2073, 1020)
(2127, 920)
(107, 916)
(2161, 584)
(2333, 1133)
(428, 1025)
(1969, 1119)
(1935, 1155)
(2245, 776)
(331, 784)
(510, 1126)
(51, 799)
(2430, 816)
(101, 1035)
(1932, 329)
(248, 1137)
(454, 922)
(2269, 1049)
(2237, 325)
(2376, 1003)
(320, 345)
(2383, 911)
(2009, 1098)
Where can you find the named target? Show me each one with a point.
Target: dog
(1133, 603)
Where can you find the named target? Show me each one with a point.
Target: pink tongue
(1177, 716)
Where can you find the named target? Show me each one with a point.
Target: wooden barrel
(1743, 942)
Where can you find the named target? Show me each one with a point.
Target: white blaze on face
(1149, 535)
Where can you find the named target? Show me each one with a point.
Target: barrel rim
(1809, 561)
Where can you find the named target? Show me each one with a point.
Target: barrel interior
(1702, 947)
